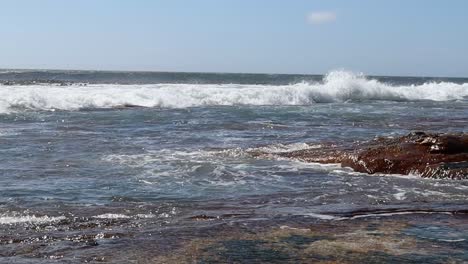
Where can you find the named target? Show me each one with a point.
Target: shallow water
(85, 179)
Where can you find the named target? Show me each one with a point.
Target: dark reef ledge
(424, 154)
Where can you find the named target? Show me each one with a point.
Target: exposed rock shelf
(419, 153)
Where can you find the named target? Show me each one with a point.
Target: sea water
(107, 166)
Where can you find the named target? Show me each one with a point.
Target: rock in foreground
(419, 153)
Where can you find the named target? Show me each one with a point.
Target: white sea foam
(322, 216)
(370, 215)
(4, 132)
(123, 216)
(16, 219)
(142, 216)
(172, 167)
(392, 214)
(337, 86)
(282, 148)
(112, 216)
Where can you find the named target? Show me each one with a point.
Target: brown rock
(424, 154)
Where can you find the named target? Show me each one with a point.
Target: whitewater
(103, 165)
(337, 86)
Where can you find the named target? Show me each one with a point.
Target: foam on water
(124, 216)
(112, 216)
(170, 167)
(16, 219)
(337, 86)
(282, 148)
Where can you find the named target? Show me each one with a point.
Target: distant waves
(337, 86)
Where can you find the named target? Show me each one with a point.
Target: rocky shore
(418, 153)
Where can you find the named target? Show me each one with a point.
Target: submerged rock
(419, 153)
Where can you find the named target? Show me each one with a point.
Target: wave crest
(337, 86)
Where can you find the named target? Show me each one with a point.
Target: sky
(375, 37)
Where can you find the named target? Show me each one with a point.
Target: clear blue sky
(394, 37)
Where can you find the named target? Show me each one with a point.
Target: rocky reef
(419, 153)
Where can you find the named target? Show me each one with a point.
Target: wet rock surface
(419, 153)
(356, 237)
(399, 239)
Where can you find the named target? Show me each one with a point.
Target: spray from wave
(337, 86)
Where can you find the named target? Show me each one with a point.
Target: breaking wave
(337, 86)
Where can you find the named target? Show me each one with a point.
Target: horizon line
(214, 72)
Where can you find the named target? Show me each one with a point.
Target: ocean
(145, 167)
